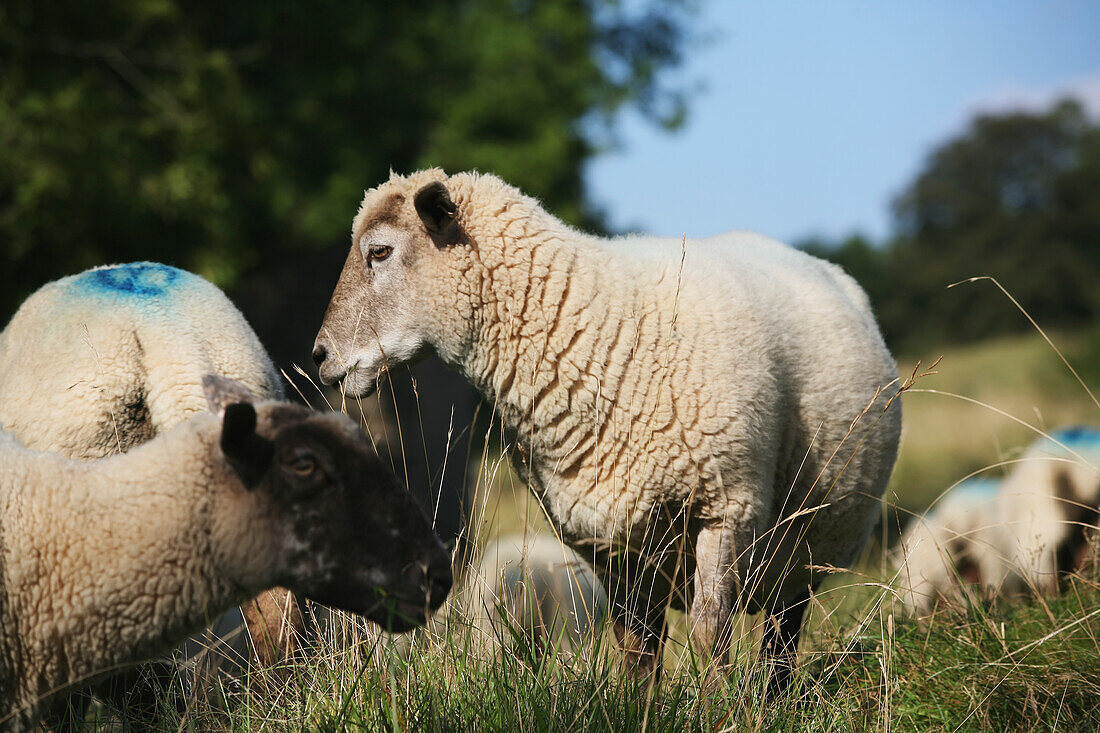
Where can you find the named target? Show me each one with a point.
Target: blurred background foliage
(1015, 197)
(236, 140)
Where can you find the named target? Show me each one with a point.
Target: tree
(236, 140)
(1014, 197)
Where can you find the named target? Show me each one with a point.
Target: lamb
(540, 589)
(719, 410)
(99, 362)
(1010, 536)
(109, 562)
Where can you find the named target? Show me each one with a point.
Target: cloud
(1085, 89)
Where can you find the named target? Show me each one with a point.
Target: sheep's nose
(319, 354)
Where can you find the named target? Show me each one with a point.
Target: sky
(813, 116)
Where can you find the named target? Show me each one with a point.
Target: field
(991, 666)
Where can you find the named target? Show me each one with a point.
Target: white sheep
(1009, 536)
(537, 588)
(96, 363)
(949, 544)
(1047, 502)
(105, 563)
(707, 395)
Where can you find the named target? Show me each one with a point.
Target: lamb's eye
(379, 252)
(303, 465)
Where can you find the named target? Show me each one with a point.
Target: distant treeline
(1015, 197)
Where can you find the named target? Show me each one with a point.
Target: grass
(944, 438)
(1021, 664)
(1011, 666)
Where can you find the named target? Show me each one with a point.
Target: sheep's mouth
(392, 612)
(355, 383)
(404, 614)
(399, 614)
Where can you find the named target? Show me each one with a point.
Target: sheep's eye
(379, 252)
(303, 465)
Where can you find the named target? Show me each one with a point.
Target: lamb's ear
(221, 391)
(248, 453)
(439, 214)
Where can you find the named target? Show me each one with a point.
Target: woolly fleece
(652, 385)
(169, 556)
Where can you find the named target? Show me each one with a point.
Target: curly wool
(167, 557)
(641, 376)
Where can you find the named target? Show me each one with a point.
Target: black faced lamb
(107, 563)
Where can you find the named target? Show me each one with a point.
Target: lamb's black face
(357, 540)
(366, 546)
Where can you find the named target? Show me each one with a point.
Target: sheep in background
(1009, 536)
(949, 543)
(105, 563)
(96, 363)
(689, 410)
(1048, 501)
(537, 587)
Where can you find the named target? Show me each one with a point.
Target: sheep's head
(407, 239)
(349, 536)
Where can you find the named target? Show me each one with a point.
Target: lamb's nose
(319, 354)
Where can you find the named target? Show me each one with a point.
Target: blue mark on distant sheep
(978, 488)
(141, 279)
(1079, 436)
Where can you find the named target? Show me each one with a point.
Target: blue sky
(814, 115)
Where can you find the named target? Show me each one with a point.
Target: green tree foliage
(236, 139)
(1017, 197)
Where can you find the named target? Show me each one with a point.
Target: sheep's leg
(637, 589)
(275, 624)
(638, 627)
(715, 592)
(782, 628)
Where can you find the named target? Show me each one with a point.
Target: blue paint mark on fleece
(978, 488)
(1078, 436)
(140, 279)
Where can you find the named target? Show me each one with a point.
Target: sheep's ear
(248, 453)
(439, 214)
(222, 391)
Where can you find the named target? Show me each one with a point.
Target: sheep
(96, 363)
(1047, 502)
(949, 543)
(540, 589)
(1009, 536)
(682, 408)
(109, 562)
